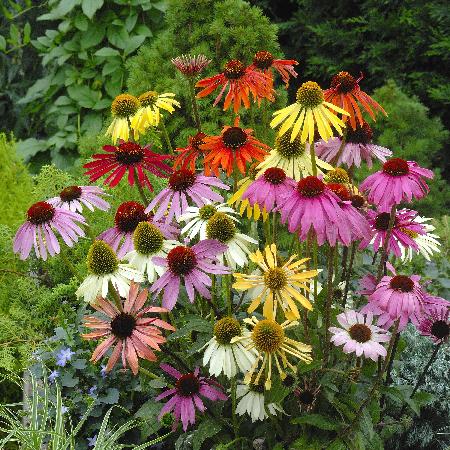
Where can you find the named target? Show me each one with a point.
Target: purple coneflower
(398, 181)
(270, 189)
(38, 230)
(192, 265)
(184, 184)
(358, 147)
(404, 230)
(359, 335)
(128, 216)
(189, 65)
(73, 198)
(186, 395)
(435, 323)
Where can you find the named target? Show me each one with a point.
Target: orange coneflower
(264, 61)
(131, 333)
(235, 145)
(189, 154)
(346, 93)
(240, 81)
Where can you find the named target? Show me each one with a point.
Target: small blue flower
(103, 371)
(92, 391)
(64, 409)
(63, 356)
(53, 375)
(92, 441)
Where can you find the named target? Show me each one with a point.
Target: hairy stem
(384, 255)
(166, 135)
(195, 112)
(140, 188)
(329, 300)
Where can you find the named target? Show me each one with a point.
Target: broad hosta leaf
(318, 421)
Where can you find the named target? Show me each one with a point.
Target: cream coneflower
(293, 157)
(104, 268)
(222, 355)
(310, 110)
(270, 341)
(148, 115)
(279, 284)
(222, 228)
(123, 108)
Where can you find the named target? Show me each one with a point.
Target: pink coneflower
(184, 184)
(270, 189)
(186, 395)
(396, 297)
(358, 147)
(73, 198)
(356, 222)
(127, 157)
(240, 81)
(265, 61)
(127, 218)
(128, 330)
(38, 230)
(435, 323)
(189, 65)
(190, 265)
(399, 181)
(188, 155)
(359, 335)
(403, 232)
(313, 207)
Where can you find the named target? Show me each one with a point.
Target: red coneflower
(131, 157)
(240, 82)
(133, 334)
(345, 93)
(235, 146)
(265, 61)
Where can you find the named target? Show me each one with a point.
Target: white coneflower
(104, 268)
(427, 243)
(252, 402)
(222, 228)
(149, 242)
(224, 356)
(197, 218)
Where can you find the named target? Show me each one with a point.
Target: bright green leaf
(26, 33)
(133, 43)
(2, 43)
(107, 51)
(89, 7)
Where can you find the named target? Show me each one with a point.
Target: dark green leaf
(149, 413)
(29, 147)
(84, 96)
(195, 323)
(205, 430)
(67, 380)
(92, 37)
(111, 397)
(318, 421)
(2, 43)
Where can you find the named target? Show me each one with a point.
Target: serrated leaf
(318, 421)
(111, 397)
(68, 380)
(194, 324)
(90, 7)
(149, 413)
(205, 430)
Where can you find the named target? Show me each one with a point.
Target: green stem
(274, 231)
(115, 295)
(341, 147)
(348, 273)
(384, 255)
(315, 263)
(328, 304)
(140, 189)
(313, 159)
(166, 135)
(229, 294)
(149, 374)
(69, 264)
(233, 408)
(195, 112)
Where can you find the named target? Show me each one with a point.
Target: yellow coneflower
(123, 108)
(280, 285)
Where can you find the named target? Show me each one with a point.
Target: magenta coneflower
(127, 218)
(359, 335)
(189, 65)
(127, 157)
(357, 223)
(38, 230)
(396, 297)
(73, 198)
(358, 147)
(270, 189)
(435, 323)
(128, 330)
(186, 395)
(265, 61)
(403, 232)
(313, 207)
(184, 184)
(192, 266)
(399, 181)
